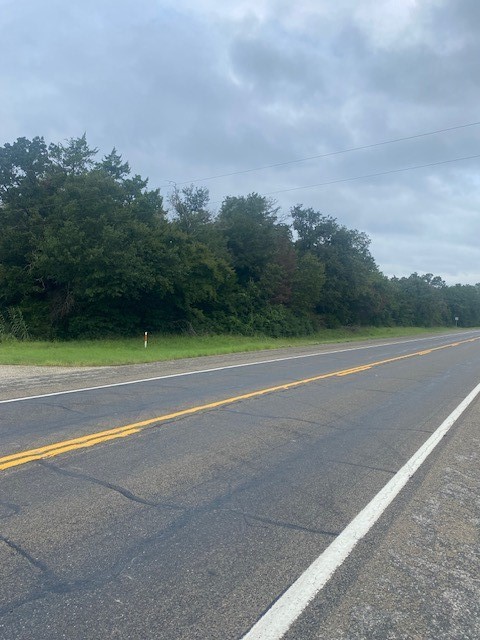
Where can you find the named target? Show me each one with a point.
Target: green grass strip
(167, 347)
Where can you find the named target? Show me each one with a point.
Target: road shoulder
(20, 381)
(416, 575)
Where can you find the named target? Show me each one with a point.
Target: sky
(187, 90)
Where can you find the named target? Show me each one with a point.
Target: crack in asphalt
(272, 417)
(14, 508)
(283, 524)
(139, 548)
(34, 562)
(108, 485)
(362, 466)
(146, 548)
(143, 548)
(52, 405)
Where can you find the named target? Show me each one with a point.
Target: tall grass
(12, 325)
(160, 348)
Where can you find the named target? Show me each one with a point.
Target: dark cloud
(193, 89)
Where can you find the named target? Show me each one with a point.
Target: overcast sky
(189, 89)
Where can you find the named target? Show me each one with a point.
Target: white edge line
(230, 366)
(283, 613)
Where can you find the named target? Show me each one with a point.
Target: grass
(131, 350)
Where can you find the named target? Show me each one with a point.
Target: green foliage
(308, 283)
(422, 301)
(74, 158)
(248, 226)
(87, 249)
(190, 208)
(350, 270)
(13, 325)
(463, 302)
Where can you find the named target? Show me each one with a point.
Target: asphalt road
(192, 526)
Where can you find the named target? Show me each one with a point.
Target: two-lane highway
(28, 422)
(184, 506)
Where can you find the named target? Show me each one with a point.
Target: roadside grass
(171, 347)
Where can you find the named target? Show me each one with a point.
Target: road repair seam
(282, 614)
(82, 442)
(230, 366)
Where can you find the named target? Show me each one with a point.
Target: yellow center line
(82, 442)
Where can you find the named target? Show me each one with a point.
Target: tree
(25, 167)
(113, 166)
(248, 225)
(463, 302)
(87, 249)
(22, 165)
(308, 283)
(81, 237)
(190, 208)
(422, 302)
(349, 267)
(73, 158)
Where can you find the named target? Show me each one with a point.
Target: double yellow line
(57, 448)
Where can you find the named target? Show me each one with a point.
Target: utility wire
(364, 176)
(326, 155)
(373, 175)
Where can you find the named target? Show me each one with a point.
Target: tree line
(87, 249)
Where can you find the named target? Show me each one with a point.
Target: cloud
(191, 89)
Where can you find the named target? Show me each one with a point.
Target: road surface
(184, 506)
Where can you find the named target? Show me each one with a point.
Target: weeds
(13, 325)
(170, 347)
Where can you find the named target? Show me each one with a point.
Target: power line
(364, 176)
(373, 175)
(331, 153)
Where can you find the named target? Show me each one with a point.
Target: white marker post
(145, 339)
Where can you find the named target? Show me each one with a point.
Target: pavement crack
(142, 549)
(52, 586)
(273, 417)
(34, 562)
(51, 405)
(14, 509)
(13, 606)
(377, 390)
(283, 524)
(362, 466)
(107, 485)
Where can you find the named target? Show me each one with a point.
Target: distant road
(183, 506)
